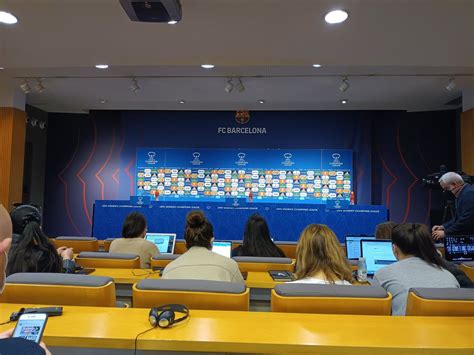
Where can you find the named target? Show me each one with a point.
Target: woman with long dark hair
(257, 240)
(418, 265)
(32, 251)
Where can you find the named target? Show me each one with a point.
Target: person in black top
(9, 345)
(31, 250)
(257, 241)
(463, 221)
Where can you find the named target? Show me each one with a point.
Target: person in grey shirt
(418, 265)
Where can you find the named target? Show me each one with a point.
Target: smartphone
(31, 326)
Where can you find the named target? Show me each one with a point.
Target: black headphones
(164, 316)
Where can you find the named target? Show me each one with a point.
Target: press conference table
(258, 332)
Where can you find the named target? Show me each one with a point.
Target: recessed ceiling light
(2, 68)
(207, 66)
(101, 66)
(336, 16)
(344, 101)
(317, 65)
(182, 102)
(172, 22)
(261, 101)
(7, 18)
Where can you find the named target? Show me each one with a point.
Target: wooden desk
(259, 332)
(131, 276)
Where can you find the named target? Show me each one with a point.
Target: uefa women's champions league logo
(288, 161)
(336, 160)
(196, 160)
(139, 200)
(241, 161)
(151, 158)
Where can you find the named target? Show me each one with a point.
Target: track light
(229, 86)
(344, 85)
(25, 87)
(134, 85)
(34, 123)
(451, 85)
(240, 85)
(344, 101)
(42, 125)
(39, 86)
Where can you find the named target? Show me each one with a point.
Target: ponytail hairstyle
(34, 253)
(198, 231)
(415, 239)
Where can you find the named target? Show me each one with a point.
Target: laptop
(377, 254)
(164, 241)
(459, 248)
(223, 248)
(352, 242)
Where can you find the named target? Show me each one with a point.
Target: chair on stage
(160, 261)
(450, 302)
(79, 244)
(195, 294)
(253, 263)
(468, 268)
(59, 289)
(330, 299)
(108, 260)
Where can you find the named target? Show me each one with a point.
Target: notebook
(377, 254)
(164, 241)
(223, 248)
(459, 248)
(353, 245)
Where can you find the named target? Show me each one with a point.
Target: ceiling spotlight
(25, 87)
(182, 102)
(344, 85)
(7, 18)
(207, 66)
(451, 85)
(134, 86)
(344, 101)
(229, 86)
(317, 65)
(103, 101)
(240, 85)
(2, 68)
(172, 22)
(336, 16)
(42, 125)
(39, 86)
(261, 101)
(101, 66)
(34, 123)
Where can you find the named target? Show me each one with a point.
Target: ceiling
(396, 54)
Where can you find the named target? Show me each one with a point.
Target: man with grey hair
(463, 221)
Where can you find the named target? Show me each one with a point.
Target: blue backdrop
(262, 175)
(93, 157)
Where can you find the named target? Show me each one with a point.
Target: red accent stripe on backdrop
(109, 156)
(392, 183)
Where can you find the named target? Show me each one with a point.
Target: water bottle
(362, 270)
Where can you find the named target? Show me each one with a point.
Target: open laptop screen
(459, 248)
(377, 254)
(353, 245)
(164, 241)
(222, 248)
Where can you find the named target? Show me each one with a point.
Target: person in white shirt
(199, 262)
(320, 258)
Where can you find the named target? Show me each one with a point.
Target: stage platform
(286, 221)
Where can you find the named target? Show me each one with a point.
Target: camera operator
(463, 221)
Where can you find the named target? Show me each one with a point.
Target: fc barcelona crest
(242, 116)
